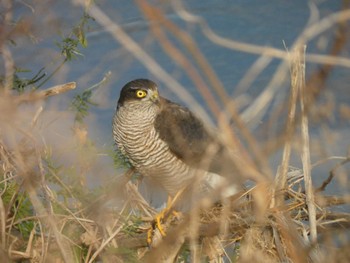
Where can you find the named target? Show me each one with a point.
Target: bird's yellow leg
(150, 236)
(162, 215)
(157, 223)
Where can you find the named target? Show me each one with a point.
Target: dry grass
(48, 212)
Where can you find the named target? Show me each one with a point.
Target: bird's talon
(149, 236)
(159, 219)
(157, 223)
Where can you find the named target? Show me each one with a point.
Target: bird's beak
(154, 96)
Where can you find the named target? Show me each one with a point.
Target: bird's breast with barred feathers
(137, 139)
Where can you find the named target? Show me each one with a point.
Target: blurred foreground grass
(50, 213)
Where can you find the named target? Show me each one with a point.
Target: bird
(169, 144)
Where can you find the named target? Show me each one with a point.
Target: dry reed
(48, 216)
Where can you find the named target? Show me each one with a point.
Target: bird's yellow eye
(141, 93)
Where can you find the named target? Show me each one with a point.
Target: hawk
(169, 144)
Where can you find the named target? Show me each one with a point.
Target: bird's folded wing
(185, 135)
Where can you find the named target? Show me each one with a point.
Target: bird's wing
(183, 132)
(188, 139)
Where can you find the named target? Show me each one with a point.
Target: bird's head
(140, 90)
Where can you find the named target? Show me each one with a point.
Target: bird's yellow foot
(159, 223)
(162, 216)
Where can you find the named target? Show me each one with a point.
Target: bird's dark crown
(131, 89)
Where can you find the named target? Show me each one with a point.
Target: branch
(56, 90)
(43, 94)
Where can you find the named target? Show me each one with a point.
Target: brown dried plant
(48, 213)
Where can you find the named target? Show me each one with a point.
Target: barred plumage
(136, 137)
(162, 140)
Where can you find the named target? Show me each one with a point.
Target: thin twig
(104, 244)
(310, 198)
(43, 94)
(56, 90)
(9, 64)
(281, 177)
(2, 224)
(331, 175)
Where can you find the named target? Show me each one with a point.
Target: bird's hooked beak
(154, 96)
